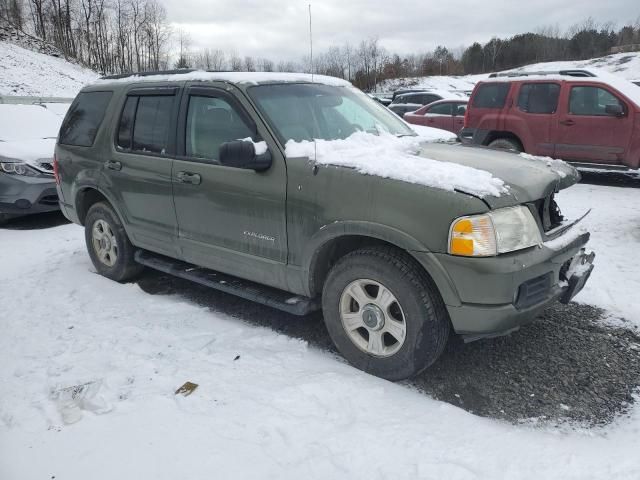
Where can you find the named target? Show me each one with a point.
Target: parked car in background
(410, 102)
(27, 140)
(589, 119)
(402, 91)
(443, 114)
(214, 177)
(383, 98)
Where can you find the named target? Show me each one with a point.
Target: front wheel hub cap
(373, 317)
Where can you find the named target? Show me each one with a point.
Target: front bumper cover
(490, 292)
(26, 195)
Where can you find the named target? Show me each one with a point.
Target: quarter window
(587, 100)
(539, 97)
(125, 128)
(212, 121)
(84, 118)
(491, 95)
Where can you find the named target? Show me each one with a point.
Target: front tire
(108, 245)
(384, 314)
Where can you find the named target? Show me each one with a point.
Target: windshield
(300, 111)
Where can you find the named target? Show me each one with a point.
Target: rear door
(586, 132)
(230, 219)
(535, 116)
(137, 174)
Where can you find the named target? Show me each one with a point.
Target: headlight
(18, 168)
(501, 231)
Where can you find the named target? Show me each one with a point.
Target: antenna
(310, 43)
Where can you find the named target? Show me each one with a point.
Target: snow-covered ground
(625, 65)
(27, 73)
(614, 223)
(283, 409)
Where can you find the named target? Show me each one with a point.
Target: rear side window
(539, 97)
(151, 124)
(491, 95)
(83, 120)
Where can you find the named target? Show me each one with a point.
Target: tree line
(109, 36)
(122, 36)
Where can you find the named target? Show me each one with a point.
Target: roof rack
(569, 73)
(147, 74)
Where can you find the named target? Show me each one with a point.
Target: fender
(390, 235)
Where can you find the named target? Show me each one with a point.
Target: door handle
(188, 177)
(113, 165)
(567, 123)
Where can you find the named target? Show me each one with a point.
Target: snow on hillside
(449, 83)
(625, 65)
(28, 73)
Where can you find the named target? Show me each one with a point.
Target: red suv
(572, 115)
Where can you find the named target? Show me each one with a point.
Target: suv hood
(528, 178)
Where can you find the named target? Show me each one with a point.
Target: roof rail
(147, 74)
(569, 73)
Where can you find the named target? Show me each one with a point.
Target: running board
(269, 296)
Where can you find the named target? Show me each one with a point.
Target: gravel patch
(566, 367)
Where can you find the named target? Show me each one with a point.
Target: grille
(533, 291)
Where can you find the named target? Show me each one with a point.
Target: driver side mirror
(615, 110)
(242, 154)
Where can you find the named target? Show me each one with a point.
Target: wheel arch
(343, 239)
(89, 195)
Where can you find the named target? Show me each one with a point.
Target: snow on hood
(388, 156)
(561, 168)
(29, 151)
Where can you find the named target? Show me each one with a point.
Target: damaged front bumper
(500, 294)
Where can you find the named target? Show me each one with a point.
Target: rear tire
(506, 144)
(108, 245)
(399, 327)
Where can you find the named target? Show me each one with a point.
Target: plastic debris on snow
(72, 400)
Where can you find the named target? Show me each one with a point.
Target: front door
(229, 219)
(586, 132)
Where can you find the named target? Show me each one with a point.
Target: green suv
(303, 193)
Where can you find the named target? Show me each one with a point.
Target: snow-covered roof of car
(445, 94)
(625, 87)
(251, 78)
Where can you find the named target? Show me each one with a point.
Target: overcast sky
(279, 29)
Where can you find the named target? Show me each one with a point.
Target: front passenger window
(589, 100)
(212, 121)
